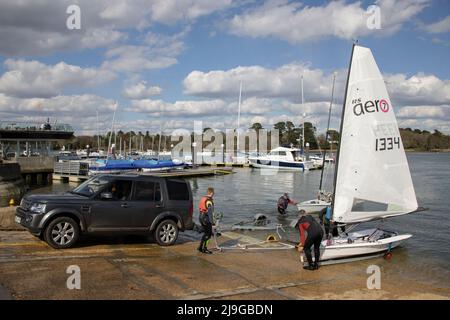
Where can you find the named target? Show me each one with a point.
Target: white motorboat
(282, 158)
(375, 184)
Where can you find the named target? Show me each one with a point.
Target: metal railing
(34, 126)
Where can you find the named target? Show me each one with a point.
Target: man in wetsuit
(206, 208)
(314, 231)
(283, 203)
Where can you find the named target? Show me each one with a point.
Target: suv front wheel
(166, 233)
(62, 233)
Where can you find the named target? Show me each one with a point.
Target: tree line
(423, 140)
(289, 134)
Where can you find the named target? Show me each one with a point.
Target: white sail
(373, 180)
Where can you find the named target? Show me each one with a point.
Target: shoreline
(131, 268)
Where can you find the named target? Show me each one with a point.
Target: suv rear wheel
(62, 233)
(166, 233)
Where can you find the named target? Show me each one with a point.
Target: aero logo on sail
(369, 106)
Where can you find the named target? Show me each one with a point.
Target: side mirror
(106, 196)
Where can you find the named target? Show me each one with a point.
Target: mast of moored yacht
(112, 129)
(239, 117)
(340, 133)
(326, 133)
(303, 126)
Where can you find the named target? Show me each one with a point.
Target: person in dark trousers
(325, 219)
(206, 208)
(307, 224)
(283, 203)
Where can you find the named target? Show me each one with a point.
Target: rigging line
(327, 132)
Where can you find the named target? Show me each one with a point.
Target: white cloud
(419, 89)
(35, 79)
(171, 11)
(179, 108)
(141, 91)
(39, 27)
(276, 93)
(31, 27)
(158, 51)
(283, 82)
(216, 107)
(295, 23)
(76, 105)
(425, 112)
(441, 26)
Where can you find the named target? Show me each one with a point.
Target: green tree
(256, 126)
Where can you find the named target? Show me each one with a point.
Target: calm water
(247, 192)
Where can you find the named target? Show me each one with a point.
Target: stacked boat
(127, 165)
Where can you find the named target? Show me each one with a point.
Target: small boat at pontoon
(282, 158)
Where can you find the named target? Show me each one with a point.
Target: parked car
(117, 204)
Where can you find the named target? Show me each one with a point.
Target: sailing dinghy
(372, 178)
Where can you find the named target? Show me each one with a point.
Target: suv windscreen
(91, 186)
(144, 191)
(178, 190)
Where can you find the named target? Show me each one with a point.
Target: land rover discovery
(117, 204)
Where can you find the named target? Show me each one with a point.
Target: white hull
(281, 165)
(365, 242)
(313, 206)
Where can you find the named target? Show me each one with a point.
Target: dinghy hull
(362, 243)
(313, 206)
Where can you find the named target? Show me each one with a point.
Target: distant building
(26, 139)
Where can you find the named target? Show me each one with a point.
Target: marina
(225, 150)
(271, 274)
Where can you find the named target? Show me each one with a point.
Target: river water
(249, 191)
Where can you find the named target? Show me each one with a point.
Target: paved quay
(137, 268)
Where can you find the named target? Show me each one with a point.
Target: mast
(120, 144)
(98, 137)
(340, 133)
(239, 114)
(328, 129)
(112, 128)
(303, 126)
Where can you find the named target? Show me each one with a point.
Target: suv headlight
(38, 208)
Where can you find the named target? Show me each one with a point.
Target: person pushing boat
(307, 224)
(283, 203)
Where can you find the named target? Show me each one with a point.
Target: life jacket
(205, 203)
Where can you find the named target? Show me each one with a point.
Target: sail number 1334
(390, 143)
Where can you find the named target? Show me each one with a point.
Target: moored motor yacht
(282, 158)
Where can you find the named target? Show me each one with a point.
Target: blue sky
(172, 62)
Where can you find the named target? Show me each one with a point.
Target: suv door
(147, 202)
(180, 199)
(112, 214)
